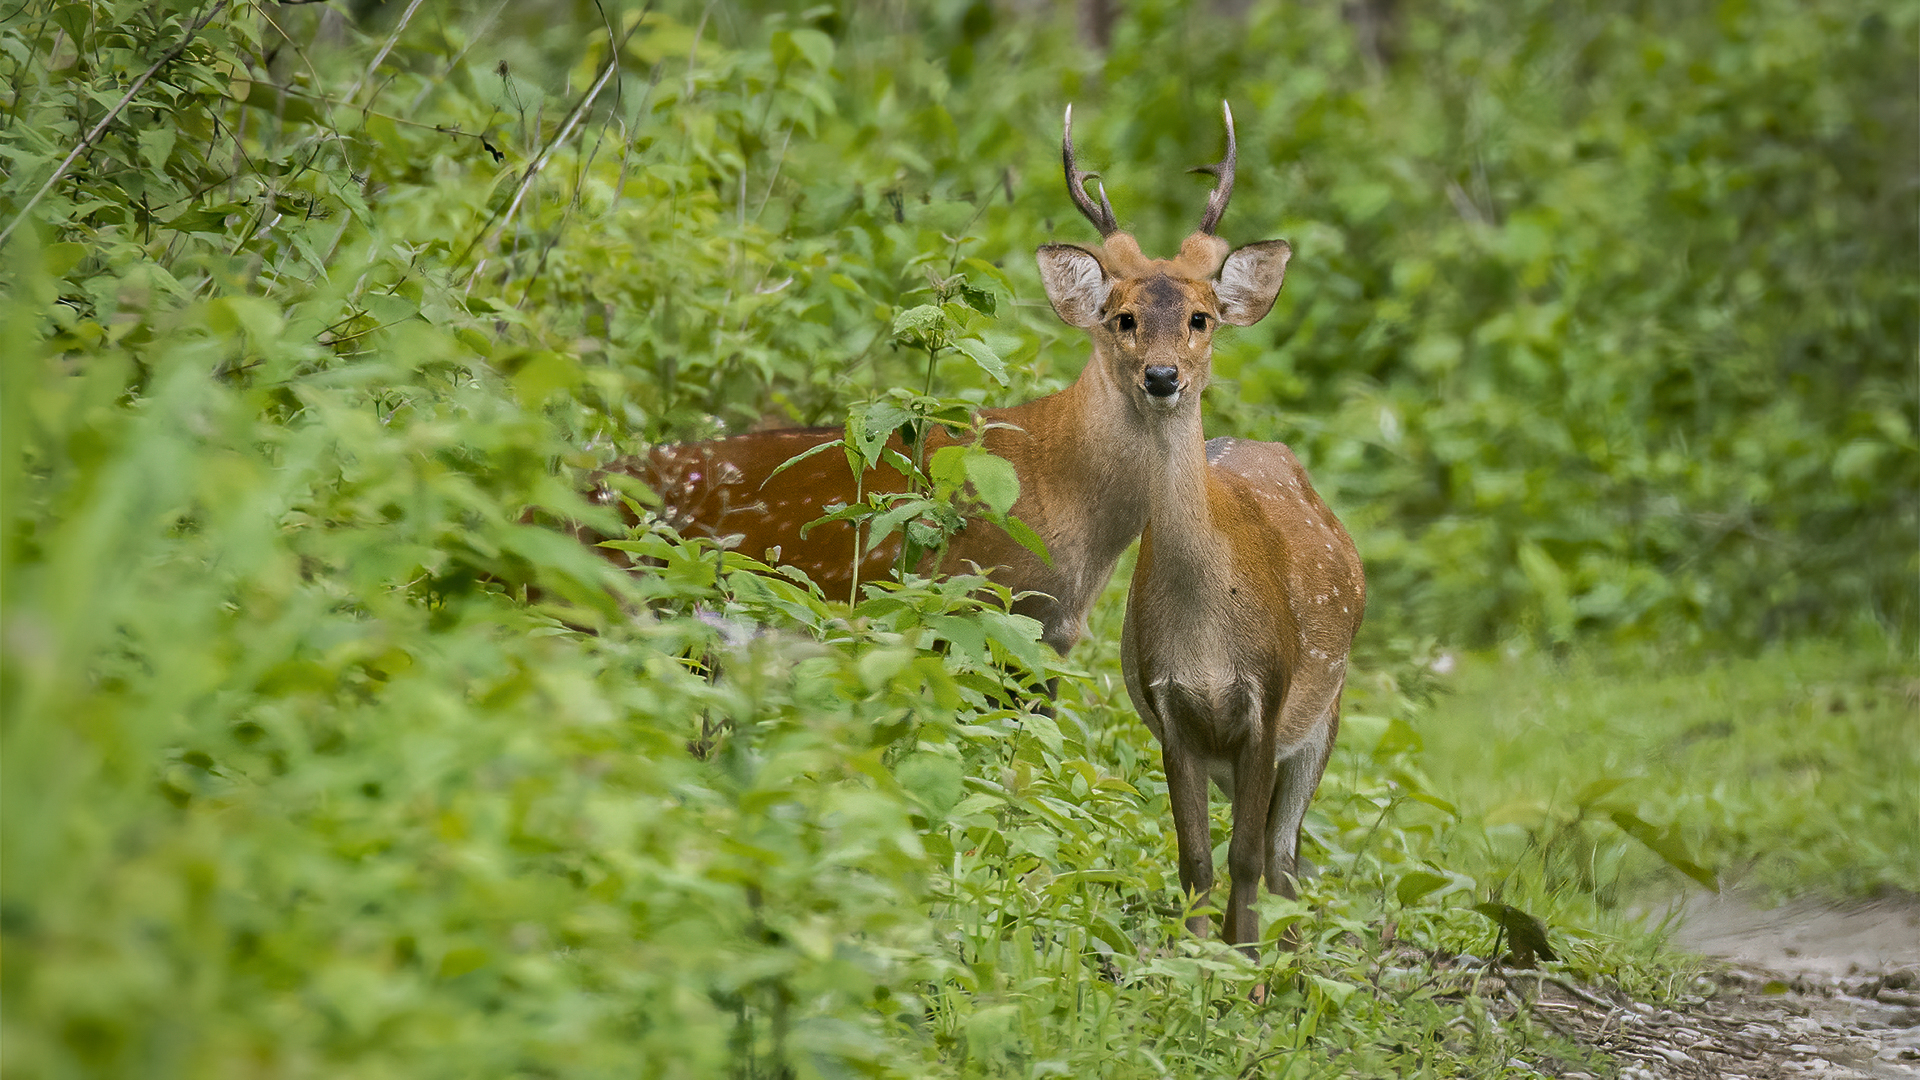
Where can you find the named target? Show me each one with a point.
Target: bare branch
(392, 40)
(493, 230)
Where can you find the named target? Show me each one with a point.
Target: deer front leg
(1187, 791)
(1247, 850)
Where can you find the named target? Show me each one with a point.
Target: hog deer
(1247, 592)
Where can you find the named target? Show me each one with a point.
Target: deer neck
(1083, 470)
(1186, 545)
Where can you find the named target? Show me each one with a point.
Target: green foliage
(320, 759)
(1598, 320)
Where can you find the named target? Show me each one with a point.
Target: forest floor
(1807, 989)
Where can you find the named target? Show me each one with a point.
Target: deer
(1247, 592)
(1076, 452)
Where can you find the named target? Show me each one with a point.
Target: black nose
(1163, 380)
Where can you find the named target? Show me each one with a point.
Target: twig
(478, 34)
(1569, 987)
(767, 195)
(100, 128)
(338, 103)
(566, 130)
(392, 40)
(626, 144)
(693, 51)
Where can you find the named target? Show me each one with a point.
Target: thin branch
(767, 195)
(100, 128)
(478, 33)
(392, 40)
(493, 230)
(640, 117)
(693, 51)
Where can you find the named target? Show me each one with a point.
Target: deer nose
(1163, 380)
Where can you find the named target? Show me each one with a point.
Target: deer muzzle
(1162, 381)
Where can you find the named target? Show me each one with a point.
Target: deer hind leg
(1312, 706)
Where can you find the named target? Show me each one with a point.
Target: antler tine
(1223, 177)
(1101, 215)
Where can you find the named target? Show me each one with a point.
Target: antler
(1223, 178)
(1101, 215)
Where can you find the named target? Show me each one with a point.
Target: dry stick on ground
(100, 128)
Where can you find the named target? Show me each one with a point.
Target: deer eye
(1125, 323)
(1199, 320)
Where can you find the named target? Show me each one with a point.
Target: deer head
(1152, 320)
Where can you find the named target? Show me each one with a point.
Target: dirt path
(1804, 990)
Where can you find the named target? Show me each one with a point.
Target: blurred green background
(1599, 335)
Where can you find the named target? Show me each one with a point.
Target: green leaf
(1599, 789)
(994, 480)
(870, 426)
(546, 374)
(966, 634)
(947, 466)
(1019, 636)
(207, 219)
(1333, 990)
(1102, 927)
(1526, 935)
(1042, 727)
(885, 523)
(156, 145)
(60, 258)
(982, 354)
(1666, 843)
(923, 327)
(800, 457)
(980, 300)
(1550, 586)
(1024, 535)
(1417, 883)
(290, 107)
(816, 46)
(934, 779)
(1398, 738)
(260, 319)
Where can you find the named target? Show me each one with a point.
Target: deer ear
(1249, 280)
(1076, 283)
